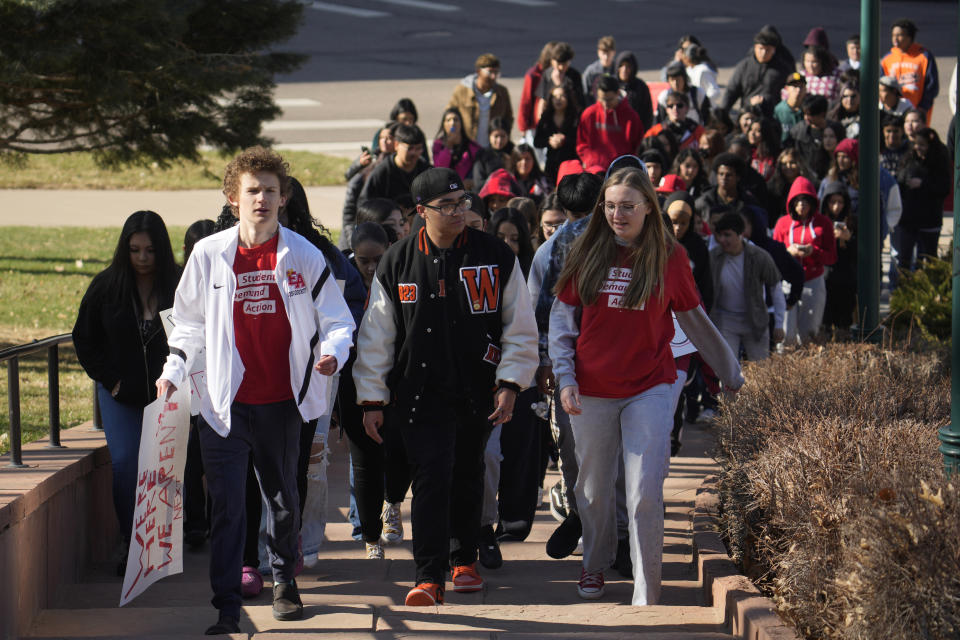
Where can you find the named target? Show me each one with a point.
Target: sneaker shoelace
(591, 579)
(392, 519)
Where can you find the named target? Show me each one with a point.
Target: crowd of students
(512, 305)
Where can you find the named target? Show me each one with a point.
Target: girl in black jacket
(925, 180)
(121, 344)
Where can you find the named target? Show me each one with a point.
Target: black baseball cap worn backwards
(434, 183)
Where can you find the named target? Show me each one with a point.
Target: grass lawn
(79, 171)
(44, 273)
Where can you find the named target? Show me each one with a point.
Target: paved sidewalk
(348, 596)
(109, 208)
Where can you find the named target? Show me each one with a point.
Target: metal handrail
(12, 357)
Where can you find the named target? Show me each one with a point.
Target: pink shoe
(251, 582)
(299, 568)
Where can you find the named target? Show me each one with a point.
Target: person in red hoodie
(809, 238)
(608, 128)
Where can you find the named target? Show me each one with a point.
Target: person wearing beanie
(480, 98)
(809, 238)
(608, 128)
(913, 66)
(844, 169)
(448, 320)
(758, 78)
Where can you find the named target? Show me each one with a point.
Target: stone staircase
(347, 596)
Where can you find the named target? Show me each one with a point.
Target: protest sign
(680, 345)
(156, 546)
(198, 373)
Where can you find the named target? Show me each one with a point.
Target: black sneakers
(488, 549)
(286, 601)
(225, 624)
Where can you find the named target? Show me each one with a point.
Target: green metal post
(950, 434)
(868, 242)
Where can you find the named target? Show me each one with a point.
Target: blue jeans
(122, 424)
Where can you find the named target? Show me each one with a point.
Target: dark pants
(254, 501)
(520, 467)
(194, 495)
(380, 471)
(270, 433)
(906, 239)
(444, 445)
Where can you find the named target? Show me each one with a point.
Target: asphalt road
(365, 54)
(415, 39)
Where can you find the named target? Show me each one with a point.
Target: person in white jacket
(248, 295)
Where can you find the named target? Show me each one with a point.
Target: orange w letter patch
(482, 284)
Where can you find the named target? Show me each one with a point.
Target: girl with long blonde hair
(610, 332)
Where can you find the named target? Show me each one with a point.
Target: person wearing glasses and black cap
(447, 341)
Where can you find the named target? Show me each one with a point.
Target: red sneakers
(466, 579)
(590, 586)
(425, 594)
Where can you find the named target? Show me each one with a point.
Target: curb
(746, 612)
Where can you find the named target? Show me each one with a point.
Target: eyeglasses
(551, 225)
(452, 208)
(677, 105)
(628, 208)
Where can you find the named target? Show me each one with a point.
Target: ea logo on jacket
(482, 284)
(295, 283)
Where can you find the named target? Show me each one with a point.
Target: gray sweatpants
(638, 430)
(802, 322)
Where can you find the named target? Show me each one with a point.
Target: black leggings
(380, 472)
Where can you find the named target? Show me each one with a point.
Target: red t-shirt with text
(622, 352)
(260, 326)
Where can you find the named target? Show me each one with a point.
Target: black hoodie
(635, 89)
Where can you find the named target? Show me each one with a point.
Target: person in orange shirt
(913, 66)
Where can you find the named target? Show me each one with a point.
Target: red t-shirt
(260, 326)
(623, 352)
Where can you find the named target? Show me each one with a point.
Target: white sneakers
(392, 524)
(374, 551)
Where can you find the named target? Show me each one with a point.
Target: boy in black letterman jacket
(447, 341)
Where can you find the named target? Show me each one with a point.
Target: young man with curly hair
(247, 294)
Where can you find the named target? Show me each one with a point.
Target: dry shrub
(825, 447)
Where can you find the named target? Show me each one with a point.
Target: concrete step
(347, 596)
(464, 620)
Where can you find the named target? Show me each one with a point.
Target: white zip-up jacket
(320, 323)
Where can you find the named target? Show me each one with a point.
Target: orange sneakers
(466, 579)
(425, 594)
